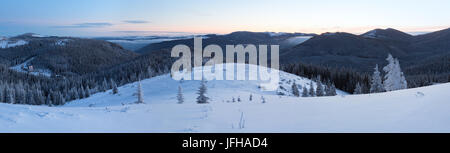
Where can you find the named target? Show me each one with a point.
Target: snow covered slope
(163, 89)
(5, 43)
(424, 109)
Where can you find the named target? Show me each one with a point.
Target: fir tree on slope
(319, 88)
(333, 90)
(48, 101)
(394, 78)
(10, 98)
(305, 92)
(312, 91)
(180, 97)
(358, 89)
(295, 90)
(376, 85)
(330, 89)
(202, 99)
(104, 86)
(114, 87)
(87, 92)
(139, 93)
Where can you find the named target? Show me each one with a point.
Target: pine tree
(376, 85)
(10, 98)
(74, 94)
(312, 91)
(58, 98)
(38, 96)
(358, 89)
(114, 87)
(333, 90)
(81, 93)
(139, 93)
(87, 92)
(150, 72)
(319, 89)
(29, 97)
(2, 96)
(295, 90)
(394, 78)
(20, 94)
(48, 101)
(180, 97)
(61, 99)
(202, 99)
(327, 89)
(305, 92)
(104, 86)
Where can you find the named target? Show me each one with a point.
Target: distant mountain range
(242, 37)
(421, 54)
(362, 52)
(359, 52)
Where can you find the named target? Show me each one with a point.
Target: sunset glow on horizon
(148, 17)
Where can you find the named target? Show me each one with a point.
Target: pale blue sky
(144, 17)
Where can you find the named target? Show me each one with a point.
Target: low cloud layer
(87, 25)
(135, 21)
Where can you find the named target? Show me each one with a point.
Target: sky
(88, 18)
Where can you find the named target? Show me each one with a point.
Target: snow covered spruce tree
(295, 90)
(394, 78)
(180, 97)
(330, 89)
(48, 100)
(114, 87)
(305, 92)
(333, 90)
(376, 85)
(312, 91)
(358, 89)
(202, 99)
(104, 85)
(139, 94)
(319, 89)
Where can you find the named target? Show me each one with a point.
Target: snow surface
(5, 43)
(62, 42)
(276, 34)
(38, 36)
(371, 34)
(293, 41)
(424, 109)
